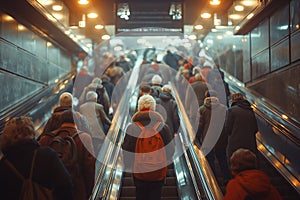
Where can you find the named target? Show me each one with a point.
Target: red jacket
(254, 183)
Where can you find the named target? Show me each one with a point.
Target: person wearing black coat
(211, 134)
(240, 125)
(170, 109)
(18, 145)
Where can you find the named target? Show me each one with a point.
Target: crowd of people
(226, 122)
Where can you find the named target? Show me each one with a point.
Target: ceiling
(144, 13)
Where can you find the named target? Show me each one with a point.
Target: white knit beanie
(156, 79)
(146, 102)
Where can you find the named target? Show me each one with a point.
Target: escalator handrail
(210, 185)
(116, 132)
(269, 113)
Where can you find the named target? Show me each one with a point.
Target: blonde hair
(16, 130)
(146, 102)
(66, 99)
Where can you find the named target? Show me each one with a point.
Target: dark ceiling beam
(27, 15)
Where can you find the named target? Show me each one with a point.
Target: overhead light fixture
(214, 2)
(250, 16)
(92, 15)
(192, 37)
(105, 37)
(57, 7)
(239, 8)
(198, 27)
(235, 16)
(83, 2)
(99, 26)
(205, 15)
(249, 2)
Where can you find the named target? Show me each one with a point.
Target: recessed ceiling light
(214, 2)
(250, 16)
(83, 2)
(239, 8)
(99, 26)
(235, 16)
(198, 27)
(105, 37)
(205, 15)
(57, 7)
(92, 15)
(249, 3)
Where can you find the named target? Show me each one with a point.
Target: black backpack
(31, 190)
(64, 145)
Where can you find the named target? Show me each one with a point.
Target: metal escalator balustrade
(278, 139)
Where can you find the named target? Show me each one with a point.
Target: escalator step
(128, 191)
(171, 181)
(169, 191)
(127, 181)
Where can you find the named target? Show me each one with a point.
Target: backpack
(31, 190)
(150, 163)
(64, 145)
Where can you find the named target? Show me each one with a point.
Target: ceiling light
(239, 8)
(57, 7)
(205, 15)
(235, 16)
(92, 15)
(192, 37)
(83, 2)
(198, 27)
(219, 37)
(249, 2)
(99, 26)
(250, 16)
(45, 2)
(214, 2)
(105, 37)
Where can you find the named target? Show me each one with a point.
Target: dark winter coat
(54, 122)
(199, 87)
(83, 184)
(211, 123)
(149, 118)
(48, 171)
(241, 127)
(171, 111)
(251, 183)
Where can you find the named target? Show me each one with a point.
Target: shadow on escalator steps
(169, 189)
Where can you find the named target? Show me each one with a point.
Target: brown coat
(83, 184)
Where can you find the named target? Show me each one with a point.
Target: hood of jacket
(165, 96)
(147, 117)
(61, 109)
(255, 182)
(243, 104)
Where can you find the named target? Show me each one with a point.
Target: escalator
(169, 191)
(190, 176)
(277, 141)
